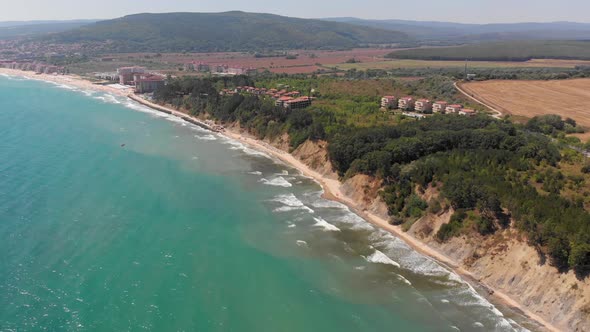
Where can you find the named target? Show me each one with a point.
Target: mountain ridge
(227, 31)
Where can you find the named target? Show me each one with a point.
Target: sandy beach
(331, 187)
(71, 80)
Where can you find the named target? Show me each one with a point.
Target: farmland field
(306, 61)
(568, 98)
(403, 64)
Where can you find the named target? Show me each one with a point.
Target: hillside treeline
(502, 51)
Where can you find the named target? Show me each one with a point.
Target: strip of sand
(69, 80)
(332, 188)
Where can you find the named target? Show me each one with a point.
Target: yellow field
(568, 98)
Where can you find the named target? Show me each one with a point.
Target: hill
(459, 32)
(229, 31)
(32, 28)
(502, 51)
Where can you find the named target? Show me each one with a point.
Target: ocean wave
(380, 258)
(355, 221)
(278, 182)
(291, 203)
(235, 145)
(404, 280)
(108, 98)
(301, 243)
(255, 173)
(459, 290)
(328, 204)
(209, 137)
(319, 222)
(63, 86)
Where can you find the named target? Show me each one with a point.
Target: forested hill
(229, 31)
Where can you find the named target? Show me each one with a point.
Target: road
(498, 114)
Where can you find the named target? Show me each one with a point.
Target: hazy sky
(485, 11)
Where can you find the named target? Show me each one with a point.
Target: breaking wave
(278, 182)
(319, 222)
(380, 258)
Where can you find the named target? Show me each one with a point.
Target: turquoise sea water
(114, 217)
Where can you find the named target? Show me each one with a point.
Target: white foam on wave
(379, 257)
(64, 86)
(327, 204)
(209, 137)
(356, 222)
(302, 243)
(108, 98)
(291, 203)
(404, 280)
(235, 145)
(277, 182)
(255, 173)
(319, 222)
(461, 291)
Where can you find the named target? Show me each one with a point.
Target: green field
(412, 64)
(502, 51)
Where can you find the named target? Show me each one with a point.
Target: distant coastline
(332, 187)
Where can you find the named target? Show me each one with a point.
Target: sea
(115, 217)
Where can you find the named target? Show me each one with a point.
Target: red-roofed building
(148, 83)
(406, 103)
(439, 106)
(389, 102)
(455, 108)
(297, 103)
(282, 100)
(423, 105)
(467, 112)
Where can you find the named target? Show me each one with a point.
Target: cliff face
(503, 261)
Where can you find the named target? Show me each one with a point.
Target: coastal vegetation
(492, 173)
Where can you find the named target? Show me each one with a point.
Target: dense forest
(492, 173)
(216, 32)
(482, 74)
(502, 51)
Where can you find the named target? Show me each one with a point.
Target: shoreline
(331, 188)
(331, 191)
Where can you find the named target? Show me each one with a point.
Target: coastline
(331, 187)
(71, 80)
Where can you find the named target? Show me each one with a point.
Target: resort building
(126, 74)
(423, 105)
(297, 103)
(148, 83)
(389, 102)
(467, 112)
(453, 108)
(439, 106)
(280, 102)
(113, 77)
(406, 103)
